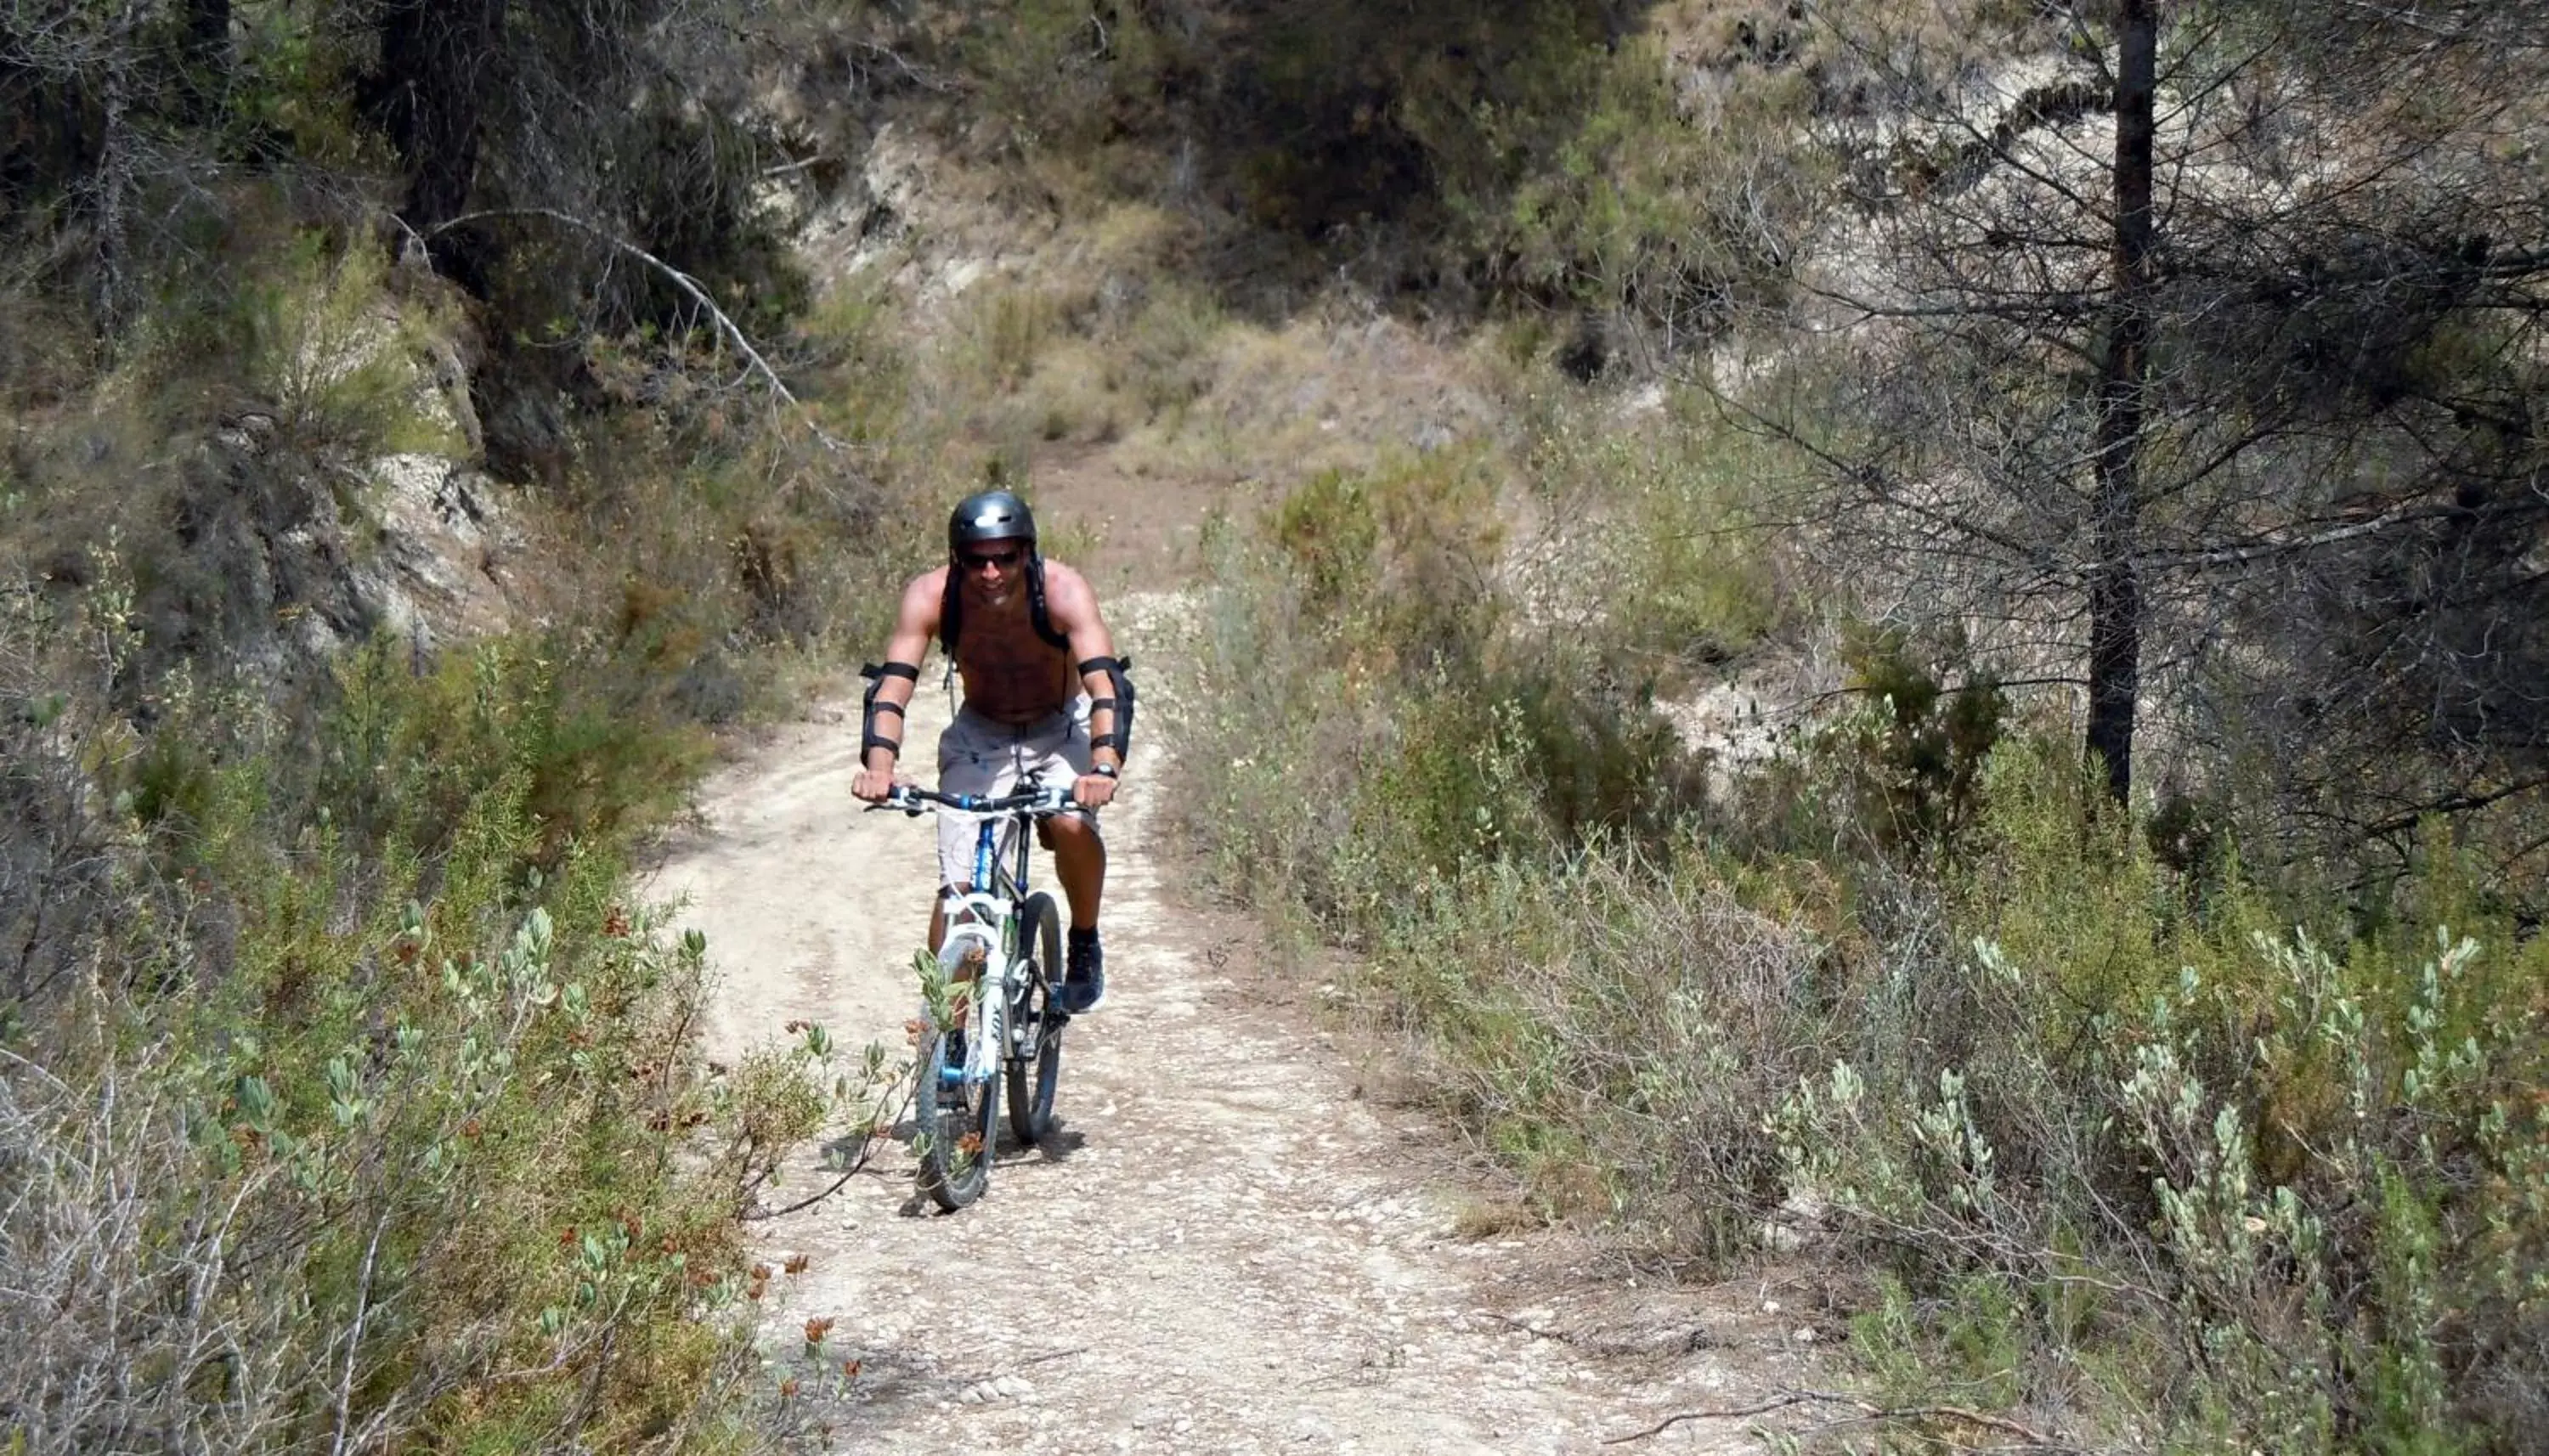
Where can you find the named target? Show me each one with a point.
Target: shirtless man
(1044, 694)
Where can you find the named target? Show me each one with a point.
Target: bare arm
(915, 620)
(1073, 605)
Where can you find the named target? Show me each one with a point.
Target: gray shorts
(980, 757)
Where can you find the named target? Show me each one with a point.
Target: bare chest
(1010, 674)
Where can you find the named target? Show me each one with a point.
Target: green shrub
(1895, 770)
(1164, 358)
(340, 364)
(1652, 533)
(1616, 1026)
(1677, 216)
(2270, 1161)
(588, 746)
(374, 1065)
(1331, 530)
(1066, 78)
(1368, 632)
(2131, 1139)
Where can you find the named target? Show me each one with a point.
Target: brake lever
(895, 798)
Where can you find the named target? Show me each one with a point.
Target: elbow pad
(870, 709)
(1120, 734)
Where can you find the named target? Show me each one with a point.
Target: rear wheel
(1035, 1023)
(955, 1121)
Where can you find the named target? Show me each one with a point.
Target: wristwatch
(1104, 771)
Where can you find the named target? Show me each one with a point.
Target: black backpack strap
(1036, 612)
(951, 613)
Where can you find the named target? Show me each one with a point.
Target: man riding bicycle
(1044, 695)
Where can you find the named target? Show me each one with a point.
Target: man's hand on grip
(1092, 790)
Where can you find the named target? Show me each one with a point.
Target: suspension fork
(976, 952)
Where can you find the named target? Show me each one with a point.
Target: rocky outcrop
(283, 557)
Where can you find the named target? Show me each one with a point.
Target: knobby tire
(1034, 1065)
(955, 1122)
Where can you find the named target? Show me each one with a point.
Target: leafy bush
(341, 363)
(2137, 1141)
(2245, 1174)
(1616, 1024)
(375, 1117)
(1164, 358)
(1367, 636)
(1670, 507)
(1067, 78)
(444, 1186)
(1674, 214)
(346, 1099)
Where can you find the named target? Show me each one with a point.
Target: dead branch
(2035, 1439)
(1563, 1337)
(1732, 1413)
(925, 80)
(354, 1337)
(691, 288)
(856, 1164)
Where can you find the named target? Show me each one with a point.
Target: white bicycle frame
(977, 926)
(982, 922)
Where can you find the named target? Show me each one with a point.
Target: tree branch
(354, 1338)
(2034, 1438)
(689, 286)
(2461, 804)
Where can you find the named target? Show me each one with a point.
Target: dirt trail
(1226, 1248)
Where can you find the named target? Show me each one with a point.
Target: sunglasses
(976, 559)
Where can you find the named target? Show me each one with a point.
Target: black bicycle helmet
(991, 515)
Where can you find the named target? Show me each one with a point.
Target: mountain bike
(1001, 965)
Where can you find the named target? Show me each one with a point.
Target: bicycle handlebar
(1032, 803)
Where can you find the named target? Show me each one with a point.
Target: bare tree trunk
(115, 172)
(427, 97)
(207, 59)
(2115, 585)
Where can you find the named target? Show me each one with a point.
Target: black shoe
(1084, 983)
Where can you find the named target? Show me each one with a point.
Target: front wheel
(954, 1120)
(1035, 1023)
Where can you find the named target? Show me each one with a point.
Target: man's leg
(1080, 863)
